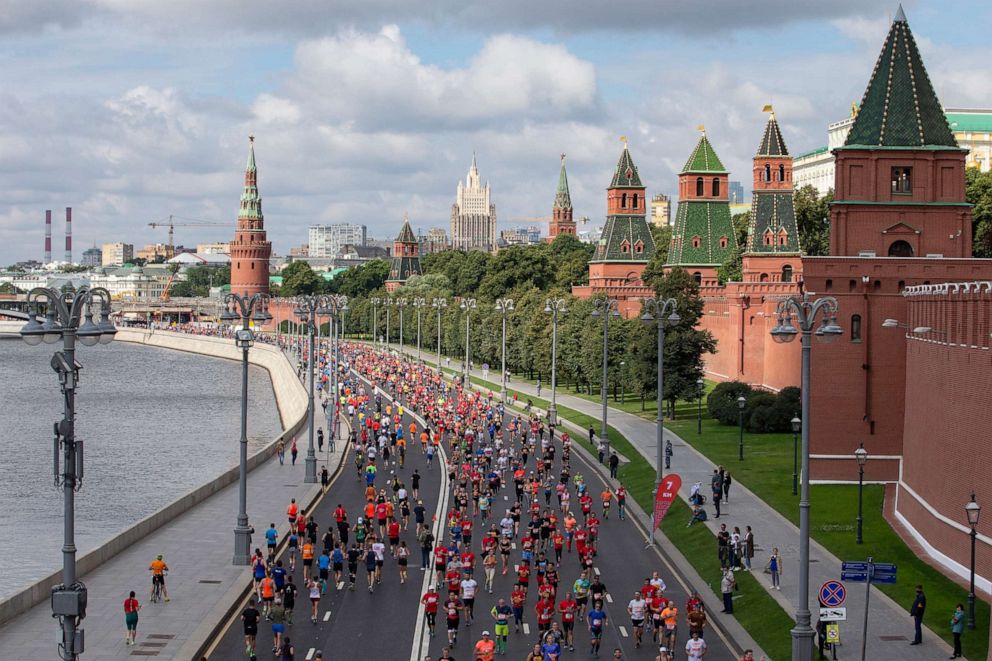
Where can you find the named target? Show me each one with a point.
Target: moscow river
(155, 424)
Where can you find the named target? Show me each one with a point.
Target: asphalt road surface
(387, 623)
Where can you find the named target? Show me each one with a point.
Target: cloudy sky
(132, 110)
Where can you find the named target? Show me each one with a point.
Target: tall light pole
(805, 311)
(623, 385)
(307, 308)
(554, 307)
(741, 403)
(246, 309)
(973, 510)
(389, 304)
(401, 303)
(660, 311)
(419, 303)
(64, 311)
(605, 307)
(334, 306)
(439, 304)
(797, 425)
(504, 305)
(861, 455)
(375, 327)
(700, 384)
(468, 304)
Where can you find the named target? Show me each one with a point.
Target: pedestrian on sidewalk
(917, 610)
(717, 497)
(614, 464)
(727, 586)
(957, 628)
(320, 435)
(668, 454)
(294, 451)
(748, 552)
(281, 452)
(131, 608)
(774, 567)
(726, 486)
(622, 502)
(601, 450)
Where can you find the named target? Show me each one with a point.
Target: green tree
(732, 269)
(298, 278)
(978, 191)
(8, 288)
(813, 218)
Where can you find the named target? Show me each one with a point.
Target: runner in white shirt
(695, 647)
(379, 549)
(657, 583)
(506, 524)
(637, 608)
(469, 586)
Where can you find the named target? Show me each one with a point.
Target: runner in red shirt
(558, 540)
(431, 599)
(523, 576)
(567, 607)
(545, 612)
(440, 561)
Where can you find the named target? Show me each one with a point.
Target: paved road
(384, 624)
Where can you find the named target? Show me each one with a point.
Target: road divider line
(327, 616)
(311, 653)
(623, 630)
(526, 629)
(609, 599)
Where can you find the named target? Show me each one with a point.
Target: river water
(155, 423)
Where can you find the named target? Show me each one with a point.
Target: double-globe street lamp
(861, 456)
(796, 427)
(375, 332)
(503, 306)
(335, 305)
(741, 404)
(419, 303)
(247, 309)
(554, 307)
(605, 308)
(805, 311)
(973, 510)
(701, 390)
(439, 304)
(388, 303)
(660, 312)
(467, 304)
(64, 311)
(401, 303)
(307, 309)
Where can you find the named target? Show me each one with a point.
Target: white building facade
(327, 240)
(473, 215)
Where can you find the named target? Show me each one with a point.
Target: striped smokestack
(68, 235)
(48, 236)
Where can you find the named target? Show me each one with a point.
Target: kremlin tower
(250, 251)
(406, 257)
(561, 213)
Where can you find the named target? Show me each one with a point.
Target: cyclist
(158, 569)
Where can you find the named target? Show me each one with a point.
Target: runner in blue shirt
(279, 576)
(597, 622)
(271, 537)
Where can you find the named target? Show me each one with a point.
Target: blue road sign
(832, 594)
(853, 576)
(885, 569)
(889, 579)
(854, 566)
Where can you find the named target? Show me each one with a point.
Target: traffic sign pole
(864, 630)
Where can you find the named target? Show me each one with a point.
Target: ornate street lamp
(805, 312)
(307, 309)
(660, 312)
(701, 385)
(334, 306)
(504, 305)
(439, 304)
(797, 425)
(861, 455)
(973, 510)
(554, 307)
(64, 311)
(741, 403)
(401, 303)
(419, 303)
(375, 328)
(468, 304)
(605, 308)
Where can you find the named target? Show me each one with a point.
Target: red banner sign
(667, 492)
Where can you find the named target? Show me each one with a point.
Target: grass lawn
(754, 608)
(767, 471)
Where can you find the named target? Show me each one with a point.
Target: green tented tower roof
(772, 143)
(626, 237)
(703, 234)
(900, 107)
(563, 199)
(625, 176)
(703, 159)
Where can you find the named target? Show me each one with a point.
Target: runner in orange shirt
(607, 497)
(485, 648)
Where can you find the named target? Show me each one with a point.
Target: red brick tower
(250, 251)
(406, 257)
(561, 213)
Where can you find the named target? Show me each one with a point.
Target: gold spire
(701, 129)
(768, 108)
(623, 139)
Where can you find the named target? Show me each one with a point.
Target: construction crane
(190, 222)
(544, 219)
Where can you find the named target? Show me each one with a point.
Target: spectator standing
(727, 586)
(957, 628)
(916, 610)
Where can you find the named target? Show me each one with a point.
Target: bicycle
(157, 581)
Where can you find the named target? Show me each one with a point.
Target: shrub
(759, 412)
(722, 402)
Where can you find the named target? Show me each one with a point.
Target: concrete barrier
(291, 399)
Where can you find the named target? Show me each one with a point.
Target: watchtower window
(855, 328)
(698, 277)
(696, 241)
(700, 189)
(768, 172)
(634, 203)
(623, 201)
(786, 273)
(723, 242)
(781, 172)
(900, 249)
(716, 187)
(902, 181)
(767, 238)
(639, 246)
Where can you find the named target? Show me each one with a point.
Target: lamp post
(401, 303)
(796, 427)
(246, 309)
(805, 311)
(307, 308)
(554, 307)
(700, 384)
(973, 510)
(439, 304)
(334, 306)
(375, 327)
(504, 305)
(64, 311)
(861, 455)
(468, 304)
(604, 307)
(388, 302)
(623, 386)
(419, 303)
(741, 403)
(660, 311)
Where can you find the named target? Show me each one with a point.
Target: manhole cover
(210, 582)
(291, 485)
(144, 653)
(161, 636)
(153, 644)
(890, 639)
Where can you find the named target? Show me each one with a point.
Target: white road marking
(526, 629)
(609, 599)
(327, 616)
(340, 585)
(623, 631)
(513, 545)
(516, 568)
(506, 498)
(595, 570)
(311, 653)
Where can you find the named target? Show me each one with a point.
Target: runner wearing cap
(485, 648)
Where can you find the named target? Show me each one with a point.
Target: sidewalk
(203, 584)
(890, 628)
